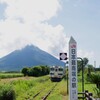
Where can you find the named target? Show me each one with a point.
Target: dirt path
(17, 78)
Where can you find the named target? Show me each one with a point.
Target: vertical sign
(72, 70)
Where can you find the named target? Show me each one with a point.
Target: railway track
(46, 94)
(38, 93)
(45, 97)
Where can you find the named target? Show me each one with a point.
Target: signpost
(73, 95)
(63, 56)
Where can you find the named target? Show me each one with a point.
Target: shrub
(97, 92)
(7, 92)
(25, 71)
(36, 71)
(95, 78)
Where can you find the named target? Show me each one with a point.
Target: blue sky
(49, 24)
(2, 8)
(81, 19)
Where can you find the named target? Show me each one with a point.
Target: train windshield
(52, 69)
(60, 69)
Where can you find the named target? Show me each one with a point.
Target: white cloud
(26, 23)
(87, 54)
(31, 10)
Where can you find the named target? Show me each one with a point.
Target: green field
(26, 87)
(10, 75)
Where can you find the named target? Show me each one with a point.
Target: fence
(86, 95)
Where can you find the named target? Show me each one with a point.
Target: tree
(30, 72)
(85, 61)
(95, 78)
(45, 70)
(79, 63)
(36, 71)
(90, 68)
(25, 71)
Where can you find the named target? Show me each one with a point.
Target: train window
(56, 70)
(51, 73)
(60, 69)
(52, 69)
(60, 74)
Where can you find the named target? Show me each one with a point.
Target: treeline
(97, 69)
(35, 71)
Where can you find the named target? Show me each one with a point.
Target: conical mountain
(28, 56)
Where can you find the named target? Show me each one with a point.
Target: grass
(31, 88)
(10, 75)
(60, 92)
(27, 87)
(7, 92)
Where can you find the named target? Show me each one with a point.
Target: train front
(56, 73)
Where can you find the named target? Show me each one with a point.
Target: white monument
(73, 70)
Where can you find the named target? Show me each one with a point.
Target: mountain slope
(28, 56)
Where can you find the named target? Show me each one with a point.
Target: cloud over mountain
(26, 22)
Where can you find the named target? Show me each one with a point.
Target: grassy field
(26, 87)
(10, 75)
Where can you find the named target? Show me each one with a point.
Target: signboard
(63, 56)
(72, 70)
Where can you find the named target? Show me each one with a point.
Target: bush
(25, 71)
(7, 92)
(97, 92)
(36, 71)
(95, 78)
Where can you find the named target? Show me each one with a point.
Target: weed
(7, 92)
(97, 92)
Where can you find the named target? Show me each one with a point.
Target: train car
(57, 73)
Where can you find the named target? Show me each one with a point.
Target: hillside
(28, 56)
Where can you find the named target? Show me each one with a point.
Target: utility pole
(82, 74)
(94, 65)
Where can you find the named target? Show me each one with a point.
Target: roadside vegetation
(26, 86)
(7, 92)
(35, 71)
(10, 75)
(91, 77)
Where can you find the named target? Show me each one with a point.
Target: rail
(45, 97)
(47, 94)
